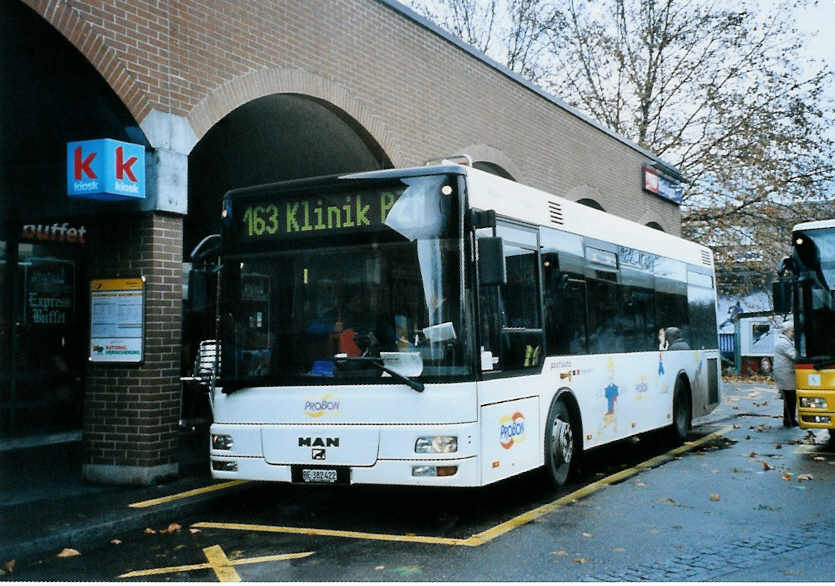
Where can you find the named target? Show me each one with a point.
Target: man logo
(324, 442)
(318, 454)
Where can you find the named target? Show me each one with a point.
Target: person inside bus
(783, 364)
(361, 328)
(675, 341)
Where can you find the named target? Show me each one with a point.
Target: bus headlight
(221, 441)
(224, 466)
(434, 470)
(436, 444)
(813, 402)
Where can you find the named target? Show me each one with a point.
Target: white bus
(444, 326)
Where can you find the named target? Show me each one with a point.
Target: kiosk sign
(105, 169)
(116, 320)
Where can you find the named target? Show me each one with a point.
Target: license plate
(319, 475)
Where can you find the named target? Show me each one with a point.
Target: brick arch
(95, 48)
(649, 216)
(237, 92)
(587, 195)
(489, 154)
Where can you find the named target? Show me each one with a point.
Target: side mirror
(210, 245)
(782, 295)
(482, 219)
(787, 264)
(491, 267)
(199, 298)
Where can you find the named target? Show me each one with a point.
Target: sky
(820, 19)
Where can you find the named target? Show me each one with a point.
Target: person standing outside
(784, 357)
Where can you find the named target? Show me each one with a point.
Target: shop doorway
(43, 331)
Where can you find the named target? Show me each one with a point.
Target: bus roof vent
(706, 258)
(555, 213)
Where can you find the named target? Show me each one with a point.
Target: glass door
(43, 336)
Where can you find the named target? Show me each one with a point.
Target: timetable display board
(117, 320)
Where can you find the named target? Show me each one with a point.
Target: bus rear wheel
(562, 443)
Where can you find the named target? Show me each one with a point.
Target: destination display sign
(321, 214)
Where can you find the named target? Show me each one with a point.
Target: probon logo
(324, 405)
(511, 430)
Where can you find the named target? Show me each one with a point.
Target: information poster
(117, 318)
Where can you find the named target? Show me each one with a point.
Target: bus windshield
(815, 256)
(320, 308)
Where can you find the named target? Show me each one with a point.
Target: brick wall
(418, 95)
(131, 412)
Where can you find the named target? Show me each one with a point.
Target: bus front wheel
(682, 415)
(562, 443)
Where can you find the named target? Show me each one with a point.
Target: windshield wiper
(416, 385)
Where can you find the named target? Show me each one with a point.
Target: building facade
(219, 95)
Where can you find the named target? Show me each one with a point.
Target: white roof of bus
(521, 202)
(815, 225)
(514, 200)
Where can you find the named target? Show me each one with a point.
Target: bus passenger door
(511, 320)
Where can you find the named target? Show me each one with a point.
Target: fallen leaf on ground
(752, 455)
(778, 446)
(9, 566)
(787, 475)
(587, 534)
(379, 567)
(819, 459)
(640, 484)
(149, 531)
(767, 466)
(560, 552)
(115, 541)
(802, 477)
(714, 497)
(581, 560)
(193, 530)
(737, 426)
(667, 500)
(172, 528)
(68, 553)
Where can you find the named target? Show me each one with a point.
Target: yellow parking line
(330, 533)
(490, 534)
(186, 494)
(207, 566)
(220, 564)
(168, 570)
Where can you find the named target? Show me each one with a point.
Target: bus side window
(510, 322)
